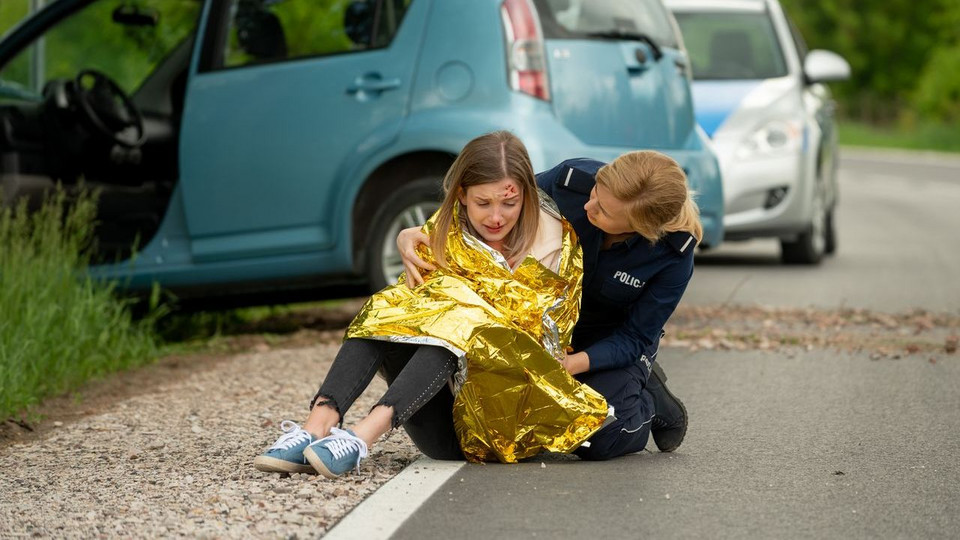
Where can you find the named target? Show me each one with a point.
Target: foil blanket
(509, 329)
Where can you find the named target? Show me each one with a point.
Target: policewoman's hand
(576, 363)
(407, 242)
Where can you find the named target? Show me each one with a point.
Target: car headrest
(260, 34)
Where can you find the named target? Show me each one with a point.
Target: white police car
(758, 94)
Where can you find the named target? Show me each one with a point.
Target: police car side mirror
(825, 66)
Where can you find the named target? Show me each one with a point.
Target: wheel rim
(414, 215)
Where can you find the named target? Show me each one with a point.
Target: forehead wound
(510, 191)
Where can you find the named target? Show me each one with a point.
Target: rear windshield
(575, 19)
(731, 45)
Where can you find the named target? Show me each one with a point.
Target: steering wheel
(109, 109)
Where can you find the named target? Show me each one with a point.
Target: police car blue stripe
(714, 101)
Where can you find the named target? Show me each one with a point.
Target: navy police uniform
(629, 292)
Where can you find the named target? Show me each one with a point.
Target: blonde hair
(655, 187)
(490, 158)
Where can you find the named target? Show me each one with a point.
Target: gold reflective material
(510, 330)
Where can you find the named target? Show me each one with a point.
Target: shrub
(938, 90)
(58, 327)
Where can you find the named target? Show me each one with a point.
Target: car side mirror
(358, 22)
(132, 15)
(825, 66)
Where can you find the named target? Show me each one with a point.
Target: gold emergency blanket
(513, 398)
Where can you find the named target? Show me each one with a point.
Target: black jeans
(423, 372)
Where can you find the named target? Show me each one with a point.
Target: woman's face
(493, 209)
(607, 212)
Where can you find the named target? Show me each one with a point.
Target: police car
(759, 95)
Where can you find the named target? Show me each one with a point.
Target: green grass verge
(923, 136)
(202, 330)
(58, 328)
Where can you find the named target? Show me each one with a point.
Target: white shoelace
(293, 435)
(340, 442)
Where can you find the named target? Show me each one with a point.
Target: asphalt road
(814, 446)
(898, 224)
(781, 444)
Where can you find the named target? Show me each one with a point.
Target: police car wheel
(810, 244)
(803, 250)
(410, 206)
(830, 235)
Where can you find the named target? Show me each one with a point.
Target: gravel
(168, 449)
(173, 456)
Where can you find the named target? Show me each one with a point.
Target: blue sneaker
(286, 455)
(337, 453)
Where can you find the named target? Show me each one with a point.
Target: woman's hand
(576, 363)
(407, 242)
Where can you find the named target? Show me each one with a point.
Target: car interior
(86, 131)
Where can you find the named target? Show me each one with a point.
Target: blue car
(250, 147)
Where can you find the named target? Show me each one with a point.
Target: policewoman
(638, 226)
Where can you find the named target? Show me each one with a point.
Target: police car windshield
(606, 19)
(727, 45)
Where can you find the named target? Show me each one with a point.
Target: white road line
(382, 513)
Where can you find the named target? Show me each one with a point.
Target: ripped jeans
(427, 369)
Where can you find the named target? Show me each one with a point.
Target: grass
(58, 327)
(921, 136)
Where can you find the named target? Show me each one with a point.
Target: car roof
(716, 5)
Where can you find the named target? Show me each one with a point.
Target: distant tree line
(904, 55)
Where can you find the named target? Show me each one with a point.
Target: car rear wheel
(410, 206)
(811, 244)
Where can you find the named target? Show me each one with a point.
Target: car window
(125, 41)
(275, 30)
(725, 45)
(576, 19)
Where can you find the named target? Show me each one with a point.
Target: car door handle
(372, 83)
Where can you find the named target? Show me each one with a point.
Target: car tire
(803, 250)
(409, 206)
(830, 234)
(811, 244)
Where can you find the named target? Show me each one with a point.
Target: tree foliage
(903, 54)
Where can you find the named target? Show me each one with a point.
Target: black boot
(669, 423)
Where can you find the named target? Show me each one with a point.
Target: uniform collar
(680, 241)
(630, 241)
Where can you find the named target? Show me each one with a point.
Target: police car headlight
(774, 138)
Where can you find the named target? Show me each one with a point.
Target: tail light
(526, 61)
